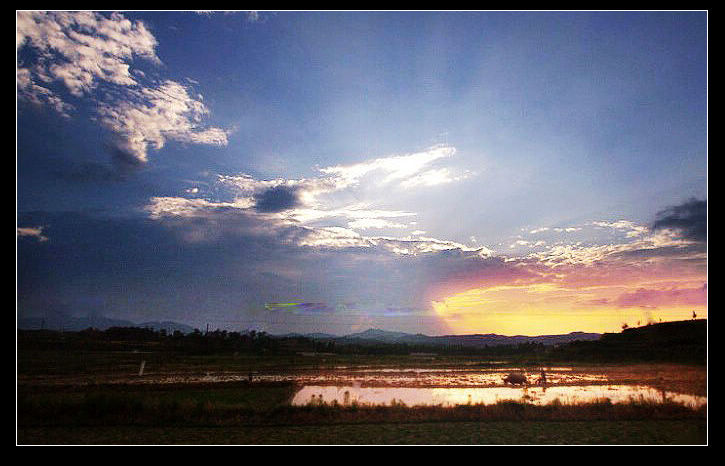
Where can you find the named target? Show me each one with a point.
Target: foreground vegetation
(86, 387)
(629, 432)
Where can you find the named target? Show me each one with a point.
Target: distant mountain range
(370, 336)
(74, 324)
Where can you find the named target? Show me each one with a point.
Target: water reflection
(430, 378)
(390, 377)
(412, 396)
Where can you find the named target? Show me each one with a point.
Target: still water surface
(417, 396)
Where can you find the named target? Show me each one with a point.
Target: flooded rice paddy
(417, 396)
(371, 385)
(460, 386)
(445, 385)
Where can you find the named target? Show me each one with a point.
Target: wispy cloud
(32, 232)
(199, 219)
(407, 170)
(587, 254)
(311, 199)
(631, 229)
(314, 212)
(368, 223)
(151, 116)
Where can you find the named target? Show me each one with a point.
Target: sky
(429, 172)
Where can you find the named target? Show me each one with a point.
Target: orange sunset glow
(645, 277)
(547, 308)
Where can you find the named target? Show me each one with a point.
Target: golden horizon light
(548, 308)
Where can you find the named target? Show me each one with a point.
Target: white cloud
(422, 245)
(323, 197)
(357, 212)
(240, 217)
(519, 242)
(632, 229)
(81, 50)
(29, 90)
(155, 115)
(403, 169)
(433, 178)
(336, 237)
(161, 207)
(582, 254)
(315, 207)
(333, 237)
(407, 170)
(367, 223)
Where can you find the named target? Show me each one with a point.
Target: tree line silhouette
(684, 341)
(223, 341)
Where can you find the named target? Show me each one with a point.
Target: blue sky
(213, 163)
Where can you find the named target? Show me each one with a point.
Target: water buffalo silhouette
(515, 378)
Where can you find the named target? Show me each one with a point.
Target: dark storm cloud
(90, 172)
(122, 160)
(225, 267)
(139, 269)
(277, 199)
(689, 218)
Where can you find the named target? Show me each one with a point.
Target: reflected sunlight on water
(373, 376)
(412, 396)
(430, 377)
